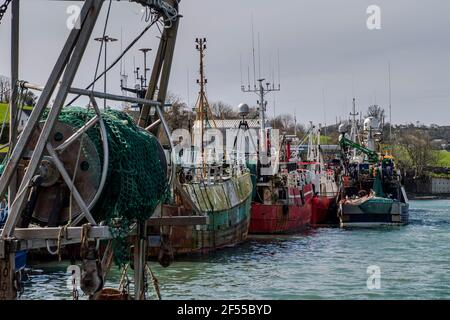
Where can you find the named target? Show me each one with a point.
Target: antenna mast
(264, 88)
(262, 91)
(354, 130)
(390, 104)
(295, 123)
(204, 113)
(253, 52)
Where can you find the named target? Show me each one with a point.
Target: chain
(4, 282)
(19, 284)
(75, 294)
(3, 9)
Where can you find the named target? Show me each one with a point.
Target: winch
(128, 183)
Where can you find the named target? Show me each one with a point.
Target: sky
(327, 53)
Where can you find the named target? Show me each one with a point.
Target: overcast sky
(324, 46)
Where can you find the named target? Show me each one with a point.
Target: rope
(53, 253)
(61, 234)
(3, 9)
(84, 239)
(154, 281)
(101, 43)
(62, 230)
(122, 278)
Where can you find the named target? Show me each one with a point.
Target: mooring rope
(62, 231)
(122, 278)
(84, 239)
(154, 281)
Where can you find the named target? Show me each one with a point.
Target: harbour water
(327, 263)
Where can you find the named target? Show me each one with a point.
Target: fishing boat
(371, 193)
(206, 186)
(225, 200)
(282, 192)
(282, 208)
(324, 183)
(283, 199)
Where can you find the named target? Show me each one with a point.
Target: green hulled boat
(371, 191)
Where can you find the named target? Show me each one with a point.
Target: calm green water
(322, 264)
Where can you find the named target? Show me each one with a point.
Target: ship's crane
(347, 143)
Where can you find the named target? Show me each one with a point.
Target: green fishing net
(136, 182)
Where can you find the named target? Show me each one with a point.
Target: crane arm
(372, 155)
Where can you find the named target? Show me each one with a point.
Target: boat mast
(295, 123)
(390, 104)
(310, 156)
(204, 113)
(318, 155)
(354, 129)
(262, 103)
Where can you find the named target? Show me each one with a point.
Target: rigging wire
(102, 43)
(116, 61)
(86, 119)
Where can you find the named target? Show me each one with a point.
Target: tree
(5, 89)
(376, 111)
(222, 110)
(284, 122)
(178, 114)
(415, 152)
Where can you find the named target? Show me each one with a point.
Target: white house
(24, 115)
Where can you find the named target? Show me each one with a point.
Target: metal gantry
(59, 85)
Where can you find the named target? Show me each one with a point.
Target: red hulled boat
(292, 216)
(282, 202)
(324, 210)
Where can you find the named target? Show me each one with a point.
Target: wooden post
(7, 262)
(7, 267)
(140, 259)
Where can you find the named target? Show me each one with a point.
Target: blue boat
(21, 260)
(21, 256)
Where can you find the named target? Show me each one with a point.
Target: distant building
(24, 116)
(440, 144)
(220, 138)
(229, 127)
(224, 125)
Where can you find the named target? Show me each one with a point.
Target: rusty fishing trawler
(209, 187)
